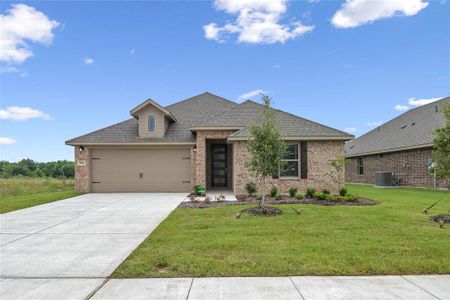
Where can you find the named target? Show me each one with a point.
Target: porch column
(200, 161)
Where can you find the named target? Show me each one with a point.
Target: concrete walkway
(47, 248)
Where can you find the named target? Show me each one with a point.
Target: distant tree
(441, 149)
(29, 168)
(266, 147)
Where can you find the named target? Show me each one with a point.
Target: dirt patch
(441, 218)
(266, 211)
(285, 200)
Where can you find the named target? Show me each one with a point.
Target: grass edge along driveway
(391, 238)
(12, 203)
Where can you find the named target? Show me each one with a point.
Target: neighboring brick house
(199, 141)
(403, 146)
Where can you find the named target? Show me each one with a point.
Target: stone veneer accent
(82, 172)
(199, 159)
(319, 155)
(410, 166)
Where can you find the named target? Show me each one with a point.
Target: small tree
(338, 165)
(266, 147)
(441, 149)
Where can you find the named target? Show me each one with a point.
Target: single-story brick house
(403, 146)
(198, 141)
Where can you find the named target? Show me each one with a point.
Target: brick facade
(319, 155)
(82, 169)
(199, 159)
(409, 167)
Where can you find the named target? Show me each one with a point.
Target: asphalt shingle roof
(413, 128)
(207, 110)
(290, 125)
(186, 112)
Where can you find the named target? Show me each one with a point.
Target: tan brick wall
(82, 172)
(320, 153)
(411, 167)
(200, 155)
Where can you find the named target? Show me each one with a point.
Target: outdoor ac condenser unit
(383, 178)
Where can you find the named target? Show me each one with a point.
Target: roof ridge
(218, 114)
(204, 93)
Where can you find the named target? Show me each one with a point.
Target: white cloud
(350, 129)
(401, 107)
(132, 51)
(251, 94)
(88, 61)
(23, 23)
(354, 13)
(17, 113)
(257, 22)
(7, 141)
(374, 124)
(420, 102)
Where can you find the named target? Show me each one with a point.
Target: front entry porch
(219, 165)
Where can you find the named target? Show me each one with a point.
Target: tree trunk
(263, 196)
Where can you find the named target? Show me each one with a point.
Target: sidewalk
(248, 288)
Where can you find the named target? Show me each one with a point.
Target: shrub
(310, 192)
(273, 191)
(343, 192)
(250, 187)
(293, 191)
(334, 198)
(299, 197)
(320, 196)
(326, 191)
(278, 197)
(258, 197)
(351, 198)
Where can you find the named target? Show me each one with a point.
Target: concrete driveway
(82, 237)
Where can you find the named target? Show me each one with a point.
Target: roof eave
(167, 113)
(131, 144)
(389, 150)
(300, 138)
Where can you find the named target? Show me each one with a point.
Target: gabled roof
(412, 129)
(207, 111)
(186, 112)
(149, 102)
(291, 126)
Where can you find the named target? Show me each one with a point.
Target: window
(151, 123)
(290, 168)
(360, 166)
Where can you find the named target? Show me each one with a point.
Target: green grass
(391, 238)
(26, 186)
(18, 193)
(10, 203)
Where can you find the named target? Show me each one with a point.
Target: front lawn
(391, 238)
(10, 203)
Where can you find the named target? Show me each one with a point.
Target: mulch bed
(441, 218)
(285, 200)
(266, 211)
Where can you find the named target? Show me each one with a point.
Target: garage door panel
(150, 170)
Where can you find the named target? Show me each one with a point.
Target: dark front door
(219, 165)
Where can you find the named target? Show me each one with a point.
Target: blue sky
(92, 62)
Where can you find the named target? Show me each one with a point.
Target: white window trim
(298, 164)
(148, 123)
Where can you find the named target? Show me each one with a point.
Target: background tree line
(30, 168)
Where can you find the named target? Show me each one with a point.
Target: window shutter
(304, 160)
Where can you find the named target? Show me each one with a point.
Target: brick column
(82, 169)
(200, 159)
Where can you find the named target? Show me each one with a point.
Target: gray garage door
(149, 170)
